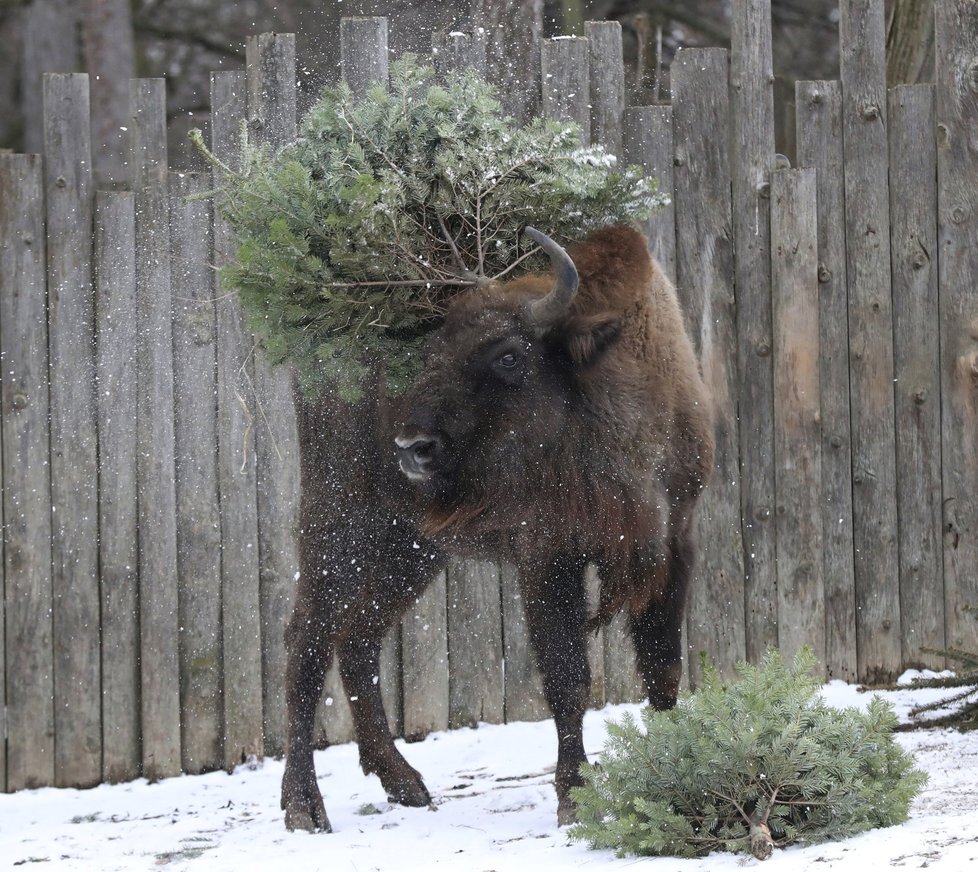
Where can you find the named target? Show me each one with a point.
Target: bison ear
(586, 339)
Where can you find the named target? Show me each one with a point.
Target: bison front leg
(310, 648)
(360, 670)
(556, 610)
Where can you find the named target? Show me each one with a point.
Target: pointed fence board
(198, 509)
(272, 119)
(867, 210)
(74, 474)
(818, 108)
(237, 481)
(116, 331)
(956, 38)
(156, 498)
(28, 631)
(752, 160)
(798, 519)
(917, 371)
(705, 274)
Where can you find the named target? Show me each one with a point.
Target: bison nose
(418, 454)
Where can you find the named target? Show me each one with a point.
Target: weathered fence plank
(74, 473)
(29, 652)
(607, 84)
(752, 159)
(475, 644)
(870, 339)
(455, 52)
(956, 37)
(424, 662)
(648, 144)
(198, 510)
(565, 82)
(159, 624)
(797, 432)
(237, 485)
(524, 699)
(917, 368)
(363, 53)
(116, 331)
(272, 118)
(818, 107)
(705, 273)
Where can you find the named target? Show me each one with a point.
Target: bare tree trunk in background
(107, 40)
(50, 46)
(910, 43)
(513, 32)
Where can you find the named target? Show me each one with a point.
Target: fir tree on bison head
(522, 398)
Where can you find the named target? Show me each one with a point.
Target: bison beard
(560, 420)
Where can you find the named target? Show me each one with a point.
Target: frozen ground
(496, 812)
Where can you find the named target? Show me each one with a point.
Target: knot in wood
(871, 112)
(816, 98)
(824, 274)
(763, 513)
(764, 190)
(19, 401)
(763, 348)
(959, 214)
(28, 239)
(836, 441)
(920, 396)
(61, 182)
(919, 260)
(887, 624)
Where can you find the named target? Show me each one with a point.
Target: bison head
(492, 418)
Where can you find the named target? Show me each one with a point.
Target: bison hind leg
(304, 807)
(657, 630)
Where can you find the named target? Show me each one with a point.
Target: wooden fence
(149, 465)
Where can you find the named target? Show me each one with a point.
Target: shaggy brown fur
(584, 439)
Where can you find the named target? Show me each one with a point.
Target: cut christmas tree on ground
(760, 763)
(353, 240)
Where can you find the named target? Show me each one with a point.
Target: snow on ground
(496, 812)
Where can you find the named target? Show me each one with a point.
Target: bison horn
(549, 308)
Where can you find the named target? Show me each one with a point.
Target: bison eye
(507, 360)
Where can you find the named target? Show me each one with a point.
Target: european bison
(560, 419)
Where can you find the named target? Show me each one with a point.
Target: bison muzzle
(560, 420)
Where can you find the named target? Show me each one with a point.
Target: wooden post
(363, 53)
(705, 273)
(818, 107)
(271, 116)
(159, 624)
(424, 648)
(607, 84)
(956, 36)
(28, 653)
(74, 463)
(648, 144)
(475, 644)
(455, 52)
(115, 307)
(198, 511)
(797, 430)
(870, 340)
(916, 348)
(524, 699)
(752, 159)
(565, 77)
(237, 487)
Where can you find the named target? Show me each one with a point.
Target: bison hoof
(410, 792)
(303, 819)
(303, 804)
